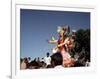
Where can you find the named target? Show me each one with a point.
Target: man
(57, 60)
(47, 59)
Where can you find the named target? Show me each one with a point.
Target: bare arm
(65, 42)
(53, 41)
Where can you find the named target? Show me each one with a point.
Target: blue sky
(37, 26)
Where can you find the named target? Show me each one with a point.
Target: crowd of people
(61, 53)
(52, 61)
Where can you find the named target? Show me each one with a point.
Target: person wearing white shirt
(47, 59)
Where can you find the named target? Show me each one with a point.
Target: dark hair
(48, 54)
(57, 59)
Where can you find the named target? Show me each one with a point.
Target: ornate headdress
(65, 28)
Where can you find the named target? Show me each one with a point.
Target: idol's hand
(52, 41)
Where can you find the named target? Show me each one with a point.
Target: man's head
(56, 59)
(48, 54)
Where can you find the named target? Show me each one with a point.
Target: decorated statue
(63, 45)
